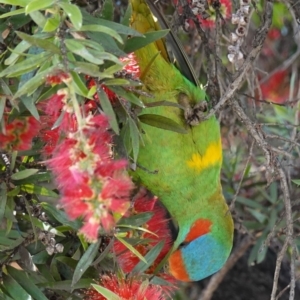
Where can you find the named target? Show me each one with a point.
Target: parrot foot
(193, 115)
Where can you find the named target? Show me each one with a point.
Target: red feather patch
(200, 227)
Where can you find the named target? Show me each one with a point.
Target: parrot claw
(194, 115)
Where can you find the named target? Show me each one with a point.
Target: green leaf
(104, 29)
(104, 253)
(296, 181)
(78, 48)
(107, 11)
(135, 139)
(132, 249)
(14, 288)
(258, 215)
(22, 278)
(162, 123)
(24, 174)
(150, 258)
(66, 284)
(105, 56)
(3, 199)
(128, 13)
(38, 190)
(30, 105)
(108, 110)
(30, 63)
(85, 261)
(15, 2)
(31, 85)
(51, 24)
(38, 5)
(41, 43)
(38, 18)
(16, 52)
(88, 19)
(105, 292)
(136, 43)
(88, 69)
(73, 12)
(61, 216)
(92, 44)
(129, 96)
(13, 13)
(2, 106)
(136, 220)
(79, 86)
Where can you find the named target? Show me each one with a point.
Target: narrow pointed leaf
(38, 5)
(108, 110)
(24, 174)
(150, 258)
(73, 12)
(42, 43)
(104, 29)
(162, 122)
(85, 261)
(22, 278)
(136, 43)
(132, 249)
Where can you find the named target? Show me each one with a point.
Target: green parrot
(183, 170)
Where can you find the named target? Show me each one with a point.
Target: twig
(257, 44)
(232, 204)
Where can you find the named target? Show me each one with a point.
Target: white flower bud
(231, 57)
(245, 9)
(243, 21)
(235, 19)
(240, 56)
(232, 49)
(244, 2)
(233, 37)
(195, 11)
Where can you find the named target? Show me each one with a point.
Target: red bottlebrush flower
(130, 289)
(102, 189)
(158, 224)
(223, 6)
(131, 68)
(274, 34)
(276, 88)
(54, 104)
(57, 77)
(18, 134)
(50, 137)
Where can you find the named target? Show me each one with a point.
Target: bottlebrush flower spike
(158, 224)
(57, 77)
(18, 134)
(92, 184)
(102, 186)
(131, 71)
(130, 288)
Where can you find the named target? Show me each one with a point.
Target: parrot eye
(183, 244)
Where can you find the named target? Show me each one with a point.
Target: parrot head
(201, 252)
